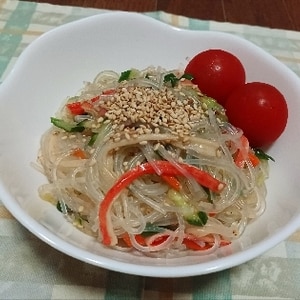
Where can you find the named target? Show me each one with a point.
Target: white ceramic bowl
(55, 66)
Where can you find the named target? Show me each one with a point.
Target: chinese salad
(144, 161)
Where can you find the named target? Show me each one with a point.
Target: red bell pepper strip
(77, 108)
(82, 107)
(127, 178)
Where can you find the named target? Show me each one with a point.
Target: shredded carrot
(139, 238)
(79, 153)
(172, 181)
(253, 159)
(244, 154)
(193, 245)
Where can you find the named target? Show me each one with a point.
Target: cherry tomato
(217, 73)
(260, 110)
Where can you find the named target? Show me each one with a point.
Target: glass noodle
(154, 120)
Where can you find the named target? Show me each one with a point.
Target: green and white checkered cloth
(30, 269)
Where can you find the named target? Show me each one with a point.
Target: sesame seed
(145, 110)
(122, 126)
(149, 130)
(186, 139)
(156, 146)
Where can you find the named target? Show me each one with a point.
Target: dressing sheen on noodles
(144, 162)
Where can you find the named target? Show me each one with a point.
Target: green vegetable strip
(173, 79)
(262, 155)
(69, 127)
(189, 212)
(124, 75)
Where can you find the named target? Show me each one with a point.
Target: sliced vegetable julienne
(128, 74)
(104, 130)
(193, 245)
(198, 219)
(166, 168)
(79, 153)
(124, 75)
(190, 214)
(61, 209)
(240, 160)
(151, 229)
(204, 242)
(75, 108)
(173, 79)
(262, 155)
(138, 237)
(94, 110)
(78, 107)
(253, 158)
(153, 242)
(244, 154)
(65, 209)
(93, 139)
(172, 181)
(68, 126)
(211, 103)
(157, 239)
(210, 239)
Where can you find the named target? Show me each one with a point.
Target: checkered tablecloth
(30, 269)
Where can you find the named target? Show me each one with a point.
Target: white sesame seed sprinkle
(145, 110)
